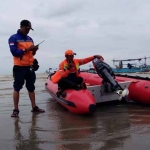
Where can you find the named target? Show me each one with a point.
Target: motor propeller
(122, 93)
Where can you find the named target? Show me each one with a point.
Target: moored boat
(130, 67)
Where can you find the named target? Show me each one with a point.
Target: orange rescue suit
(64, 72)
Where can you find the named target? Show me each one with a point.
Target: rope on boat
(134, 77)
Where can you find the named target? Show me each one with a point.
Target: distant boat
(130, 67)
(132, 70)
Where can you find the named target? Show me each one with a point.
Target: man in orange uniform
(70, 66)
(23, 50)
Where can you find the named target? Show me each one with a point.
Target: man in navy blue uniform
(23, 51)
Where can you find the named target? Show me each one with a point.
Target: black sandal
(37, 109)
(15, 113)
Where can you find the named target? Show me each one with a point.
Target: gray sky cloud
(114, 29)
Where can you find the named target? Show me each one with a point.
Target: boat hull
(77, 102)
(139, 89)
(84, 101)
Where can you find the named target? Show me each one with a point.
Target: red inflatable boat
(101, 87)
(84, 101)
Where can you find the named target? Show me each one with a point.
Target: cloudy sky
(115, 29)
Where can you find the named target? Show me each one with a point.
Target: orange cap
(69, 52)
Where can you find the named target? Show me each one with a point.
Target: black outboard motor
(108, 76)
(106, 73)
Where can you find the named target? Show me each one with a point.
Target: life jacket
(77, 66)
(62, 73)
(27, 58)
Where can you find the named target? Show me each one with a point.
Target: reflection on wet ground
(112, 126)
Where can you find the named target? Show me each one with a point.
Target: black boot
(59, 92)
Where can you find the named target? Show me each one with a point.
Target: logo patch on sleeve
(11, 43)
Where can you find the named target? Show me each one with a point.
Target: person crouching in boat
(68, 75)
